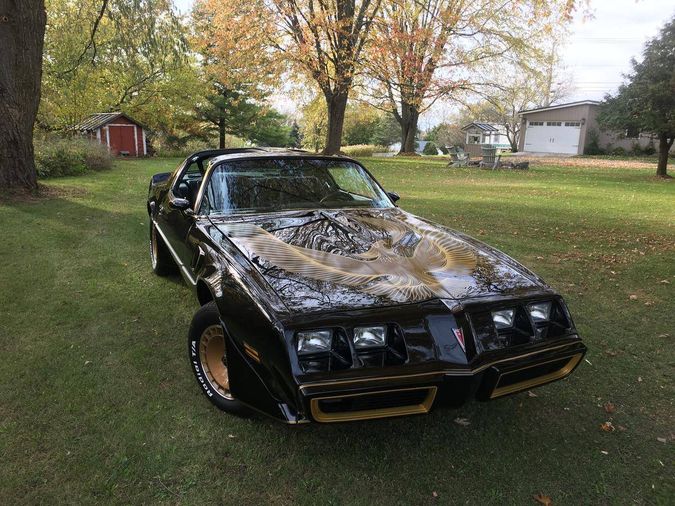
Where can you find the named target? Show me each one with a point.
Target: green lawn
(98, 403)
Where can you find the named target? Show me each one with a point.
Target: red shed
(123, 135)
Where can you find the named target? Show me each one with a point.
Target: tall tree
(314, 124)
(647, 101)
(326, 39)
(232, 41)
(136, 62)
(22, 27)
(424, 50)
(231, 112)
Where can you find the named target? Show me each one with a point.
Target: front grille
(524, 329)
(373, 404)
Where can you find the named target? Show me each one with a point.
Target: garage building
(558, 128)
(121, 134)
(568, 129)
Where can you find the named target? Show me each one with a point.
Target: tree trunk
(221, 130)
(336, 104)
(664, 149)
(22, 30)
(513, 137)
(408, 121)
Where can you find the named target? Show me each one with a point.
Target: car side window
(187, 185)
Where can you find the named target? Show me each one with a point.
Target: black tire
(208, 359)
(160, 257)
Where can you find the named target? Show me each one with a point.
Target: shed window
(474, 139)
(554, 123)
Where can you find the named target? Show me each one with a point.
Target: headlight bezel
(379, 332)
(303, 337)
(542, 315)
(506, 316)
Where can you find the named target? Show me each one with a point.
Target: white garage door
(552, 136)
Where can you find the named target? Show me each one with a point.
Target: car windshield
(281, 184)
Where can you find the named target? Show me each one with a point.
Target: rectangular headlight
(314, 341)
(540, 311)
(370, 337)
(503, 319)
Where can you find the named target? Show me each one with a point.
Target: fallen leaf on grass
(543, 499)
(633, 297)
(604, 452)
(607, 427)
(531, 394)
(434, 494)
(664, 281)
(609, 407)
(661, 439)
(639, 379)
(462, 421)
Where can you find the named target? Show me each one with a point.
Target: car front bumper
(380, 396)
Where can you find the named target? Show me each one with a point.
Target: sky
(597, 53)
(599, 50)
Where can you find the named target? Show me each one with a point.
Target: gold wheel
(212, 357)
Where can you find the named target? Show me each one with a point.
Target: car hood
(347, 259)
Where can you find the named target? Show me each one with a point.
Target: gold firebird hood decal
(435, 263)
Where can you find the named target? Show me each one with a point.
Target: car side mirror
(180, 204)
(395, 197)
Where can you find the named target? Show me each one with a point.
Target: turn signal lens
(370, 337)
(314, 341)
(540, 311)
(503, 319)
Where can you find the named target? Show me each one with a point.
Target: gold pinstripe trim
(252, 352)
(452, 372)
(346, 416)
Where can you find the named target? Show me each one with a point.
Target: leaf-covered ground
(98, 403)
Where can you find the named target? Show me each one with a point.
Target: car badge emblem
(459, 335)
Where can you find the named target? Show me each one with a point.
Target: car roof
(220, 155)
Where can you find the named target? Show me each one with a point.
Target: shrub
(430, 149)
(649, 149)
(182, 148)
(619, 151)
(57, 157)
(593, 144)
(360, 150)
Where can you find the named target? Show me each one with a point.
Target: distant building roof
(485, 127)
(100, 119)
(560, 106)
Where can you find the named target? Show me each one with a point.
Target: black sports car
(322, 301)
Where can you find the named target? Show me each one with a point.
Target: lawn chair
(490, 157)
(458, 158)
